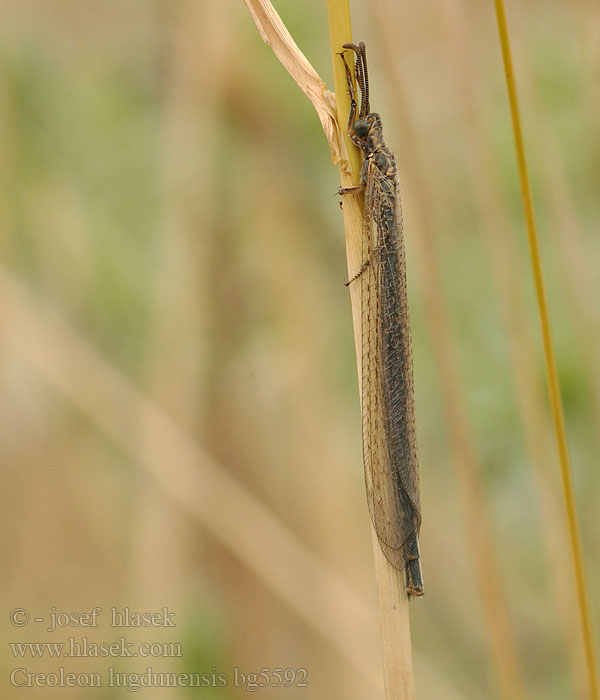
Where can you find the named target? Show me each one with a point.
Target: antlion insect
(389, 441)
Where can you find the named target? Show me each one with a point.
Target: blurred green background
(181, 425)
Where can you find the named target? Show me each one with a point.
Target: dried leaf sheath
(389, 440)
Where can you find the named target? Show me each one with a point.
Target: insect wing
(389, 442)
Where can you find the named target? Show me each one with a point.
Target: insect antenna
(362, 77)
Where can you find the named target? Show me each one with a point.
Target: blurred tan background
(180, 420)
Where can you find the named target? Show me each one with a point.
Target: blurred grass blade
(183, 470)
(521, 343)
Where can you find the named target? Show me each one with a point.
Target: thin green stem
(551, 372)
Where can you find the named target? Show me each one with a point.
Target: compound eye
(361, 128)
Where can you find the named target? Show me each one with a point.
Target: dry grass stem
(393, 603)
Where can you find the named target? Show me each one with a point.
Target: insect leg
(352, 114)
(368, 250)
(363, 267)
